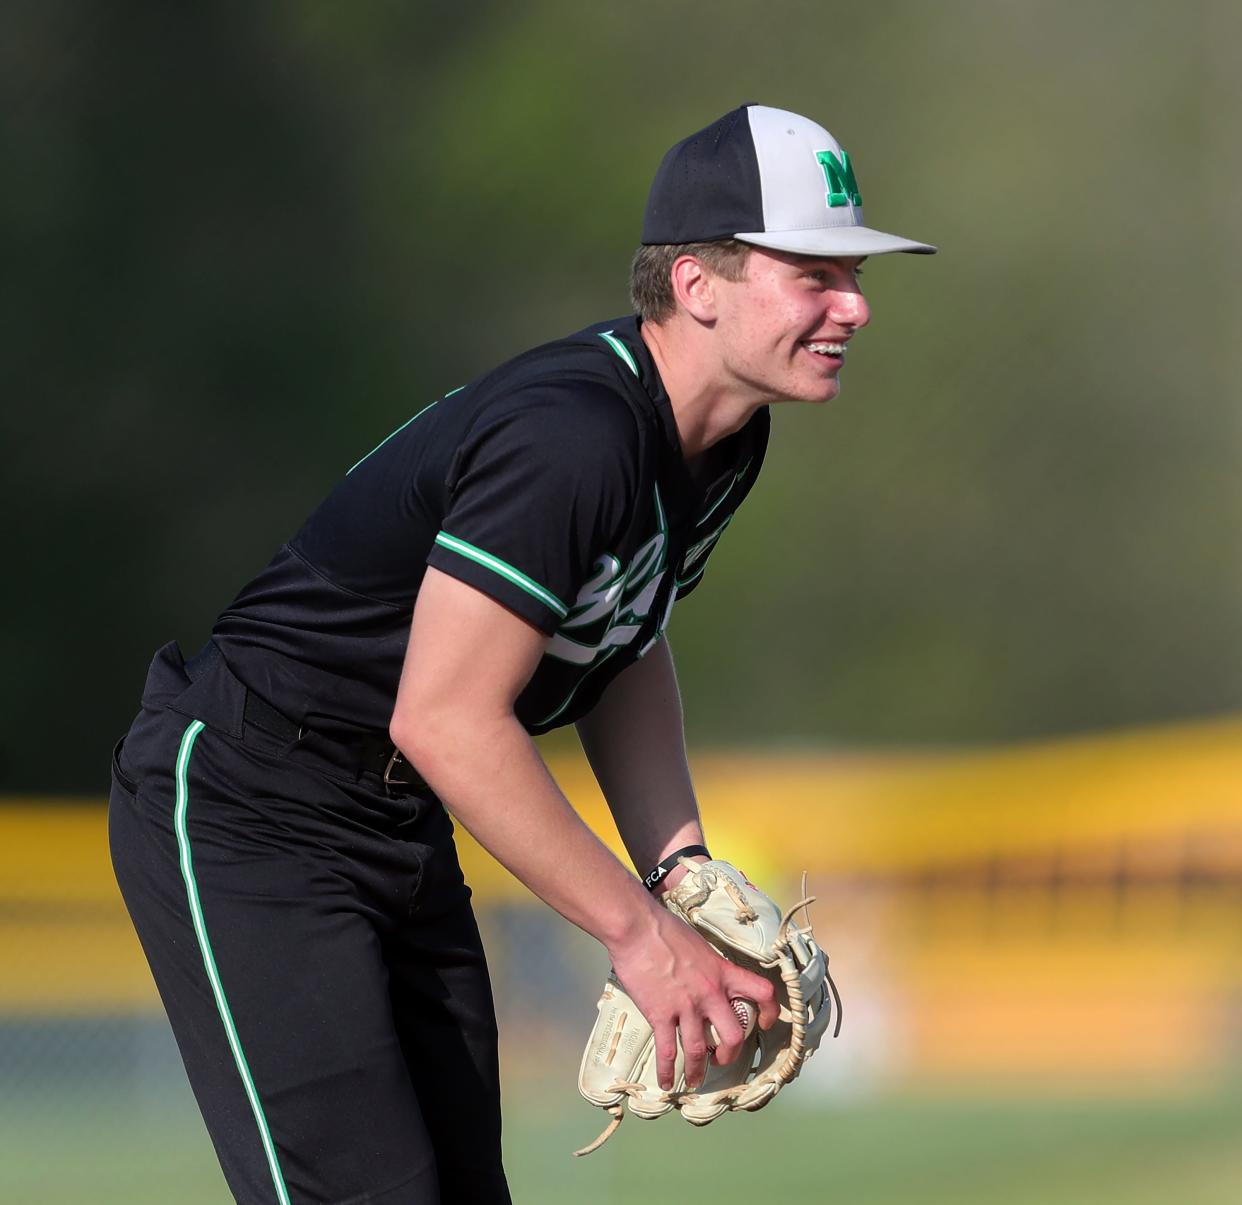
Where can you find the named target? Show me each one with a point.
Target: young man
(504, 563)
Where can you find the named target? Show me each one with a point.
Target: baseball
(746, 1013)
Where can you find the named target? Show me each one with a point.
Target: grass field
(70, 1149)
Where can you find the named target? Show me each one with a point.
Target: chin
(827, 392)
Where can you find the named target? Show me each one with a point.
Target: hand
(665, 980)
(680, 983)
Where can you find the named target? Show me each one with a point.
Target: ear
(694, 288)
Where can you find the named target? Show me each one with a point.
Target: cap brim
(836, 240)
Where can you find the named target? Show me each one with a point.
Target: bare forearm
(489, 774)
(635, 743)
(467, 662)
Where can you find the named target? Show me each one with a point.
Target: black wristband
(652, 878)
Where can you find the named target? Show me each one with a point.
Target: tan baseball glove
(746, 927)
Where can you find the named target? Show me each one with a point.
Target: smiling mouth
(834, 351)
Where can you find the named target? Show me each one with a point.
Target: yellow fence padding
(1086, 829)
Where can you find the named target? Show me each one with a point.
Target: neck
(706, 407)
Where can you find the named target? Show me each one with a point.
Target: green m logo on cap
(839, 173)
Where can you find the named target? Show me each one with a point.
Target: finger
(725, 1035)
(723, 1046)
(666, 1052)
(694, 1047)
(749, 986)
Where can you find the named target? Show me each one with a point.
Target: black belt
(356, 753)
(368, 752)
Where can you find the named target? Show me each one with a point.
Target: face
(784, 330)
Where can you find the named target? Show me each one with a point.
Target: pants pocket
(119, 776)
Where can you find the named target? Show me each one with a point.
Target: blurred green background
(244, 242)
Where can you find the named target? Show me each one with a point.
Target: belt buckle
(397, 759)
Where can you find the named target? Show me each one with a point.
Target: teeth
(827, 349)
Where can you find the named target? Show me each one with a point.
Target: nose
(849, 307)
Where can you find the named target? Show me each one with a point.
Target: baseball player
(504, 563)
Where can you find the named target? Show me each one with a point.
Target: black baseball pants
(313, 943)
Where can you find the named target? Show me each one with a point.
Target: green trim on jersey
(620, 348)
(698, 553)
(662, 520)
(711, 510)
(569, 698)
(209, 961)
(401, 428)
(682, 582)
(505, 570)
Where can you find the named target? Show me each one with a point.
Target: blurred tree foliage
(245, 241)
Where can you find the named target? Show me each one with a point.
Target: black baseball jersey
(555, 484)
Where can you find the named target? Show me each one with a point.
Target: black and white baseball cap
(767, 177)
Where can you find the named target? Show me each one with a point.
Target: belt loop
(397, 759)
(202, 661)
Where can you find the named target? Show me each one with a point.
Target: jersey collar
(622, 336)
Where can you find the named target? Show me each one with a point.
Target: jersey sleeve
(538, 490)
